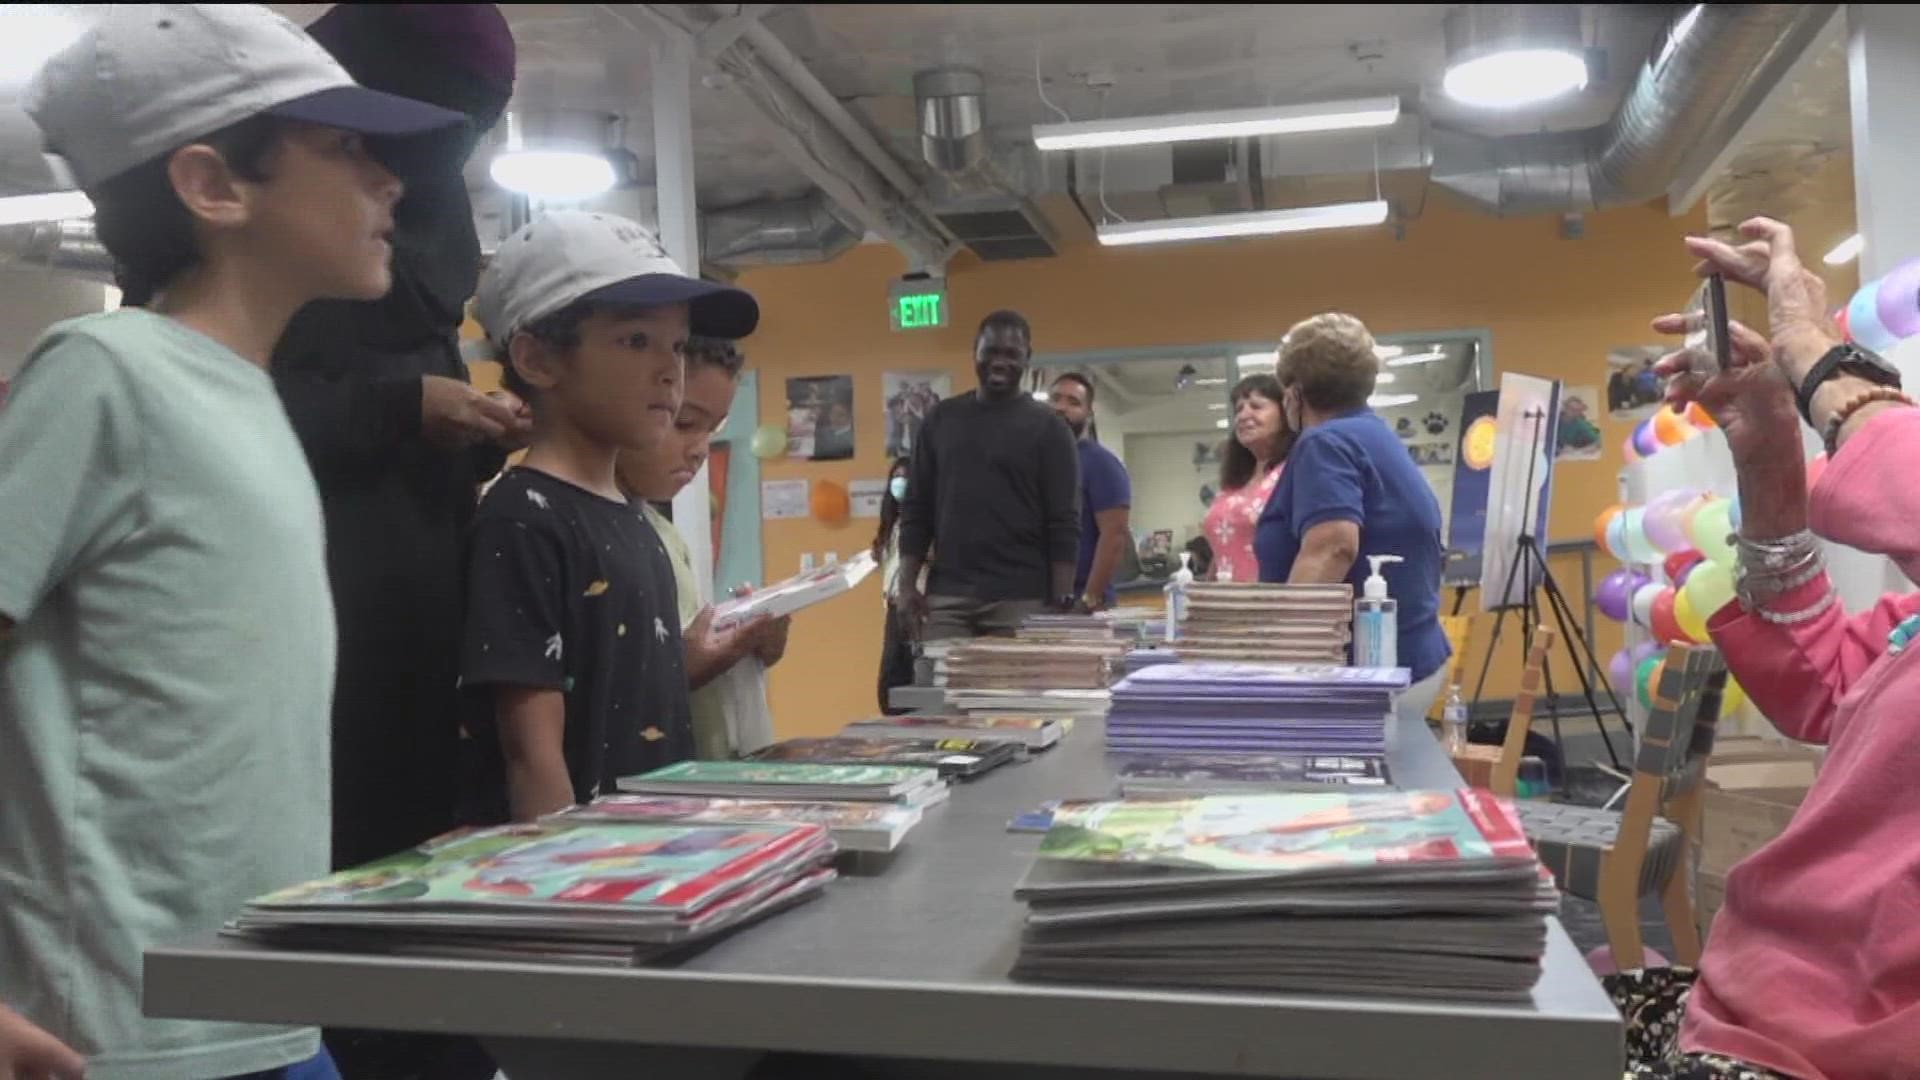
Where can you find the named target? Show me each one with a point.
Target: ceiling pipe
(803, 230)
(1707, 65)
(69, 247)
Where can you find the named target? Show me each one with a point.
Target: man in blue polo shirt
(1351, 490)
(1106, 496)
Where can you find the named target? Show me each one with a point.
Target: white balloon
(1643, 599)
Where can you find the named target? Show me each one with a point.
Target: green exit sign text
(917, 304)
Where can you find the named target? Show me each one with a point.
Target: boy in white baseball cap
(573, 656)
(166, 632)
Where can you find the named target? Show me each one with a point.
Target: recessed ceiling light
(1256, 359)
(1417, 358)
(1209, 382)
(1385, 377)
(1221, 424)
(1218, 406)
(1392, 401)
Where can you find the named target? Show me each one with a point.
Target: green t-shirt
(164, 697)
(710, 739)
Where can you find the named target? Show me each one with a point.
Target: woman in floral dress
(1249, 468)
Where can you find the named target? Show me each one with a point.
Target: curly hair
(1330, 358)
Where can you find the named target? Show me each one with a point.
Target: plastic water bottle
(1454, 717)
(1176, 591)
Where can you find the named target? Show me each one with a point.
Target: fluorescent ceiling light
(1209, 382)
(49, 206)
(1385, 377)
(1516, 77)
(29, 36)
(1392, 401)
(553, 175)
(1256, 359)
(1256, 223)
(1217, 124)
(1218, 406)
(1388, 352)
(1845, 251)
(1417, 358)
(1221, 424)
(1042, 395)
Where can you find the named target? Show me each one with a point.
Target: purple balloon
(1614, 596)
(1898, 303)
(1643, 439)
(1664, 523)
(1620, 671)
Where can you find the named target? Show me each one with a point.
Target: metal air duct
(953, 130)
(986, 204)
(802, 230)
(65, 246)
(1706, 72)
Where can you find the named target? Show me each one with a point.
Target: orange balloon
(1699, 417)
(1670, 427)
(830, 503)
(1601, 523)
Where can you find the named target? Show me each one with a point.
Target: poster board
(1472, 472)
(1520, 487)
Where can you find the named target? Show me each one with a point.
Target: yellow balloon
(1688, 618)
(1732, 698)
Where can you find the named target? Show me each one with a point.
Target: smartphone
(1709, 342)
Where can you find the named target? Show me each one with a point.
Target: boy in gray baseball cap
(573, 657)
(166, 632)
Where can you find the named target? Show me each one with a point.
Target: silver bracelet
(1806, 614)
(1778, 551)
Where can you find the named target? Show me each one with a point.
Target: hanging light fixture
(568, 157)
(1507, 56)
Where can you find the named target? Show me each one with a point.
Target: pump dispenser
(1376, 620)
(1177, 595)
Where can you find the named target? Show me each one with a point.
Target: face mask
(897, 487)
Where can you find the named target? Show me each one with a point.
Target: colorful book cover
(700, 810)
(982, 723)
(941, 753)
(1302, 831)
(786, 773)
(667, 869)
(1254, 769)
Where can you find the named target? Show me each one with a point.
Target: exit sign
(917, 303)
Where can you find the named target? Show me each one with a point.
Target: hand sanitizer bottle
(1177, 595)
(1376, 620)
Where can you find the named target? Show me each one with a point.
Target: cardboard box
(1753, 788)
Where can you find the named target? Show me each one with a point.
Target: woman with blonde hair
(1350, 490)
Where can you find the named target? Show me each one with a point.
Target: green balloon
(1711, 529)
(1709, 588)
(769, 442)
(1643, 678)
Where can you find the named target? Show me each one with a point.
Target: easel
(1529, 554)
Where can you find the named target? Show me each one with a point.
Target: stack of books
(1122, 625)
(1254, 708)
(1158, 776)
(954, 757)
(853, 826)
(1031, 732)
(1000, 664)
(1299, 624)
(1063, 706)
(907, 785)
(1407, 894)
(555, 891)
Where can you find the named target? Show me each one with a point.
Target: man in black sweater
(994, 495)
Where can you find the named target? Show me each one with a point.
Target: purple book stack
(1254, 708)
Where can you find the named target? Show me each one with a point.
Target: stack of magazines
(953, 757)
(1000, 664)
(1302, 624)
(853, 826)
(1156, 776)
(1032, 732)
(907, 785)
(1254, 708)
(1408, 894)
(554, 891)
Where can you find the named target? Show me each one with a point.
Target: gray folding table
(905, 959)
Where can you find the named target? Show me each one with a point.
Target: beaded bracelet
(1853, 405)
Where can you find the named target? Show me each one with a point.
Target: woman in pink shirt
(1812, 968)
(1249, 468)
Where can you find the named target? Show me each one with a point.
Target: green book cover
(785, 772)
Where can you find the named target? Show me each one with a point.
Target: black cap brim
(369, 112)
(713, 310)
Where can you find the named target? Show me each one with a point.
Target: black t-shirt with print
(570, 591)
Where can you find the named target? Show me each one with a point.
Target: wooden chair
(1506, 771)
(1615, 857)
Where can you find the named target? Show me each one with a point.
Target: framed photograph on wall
(820, 418)
(907, 397)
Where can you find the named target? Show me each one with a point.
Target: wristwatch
(1850, 359)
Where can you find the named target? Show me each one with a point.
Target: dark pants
(392, 1055)
(896, 660)
(966, 617)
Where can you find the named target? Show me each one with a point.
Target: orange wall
(1553, 306)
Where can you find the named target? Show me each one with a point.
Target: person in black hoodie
(399, 442)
